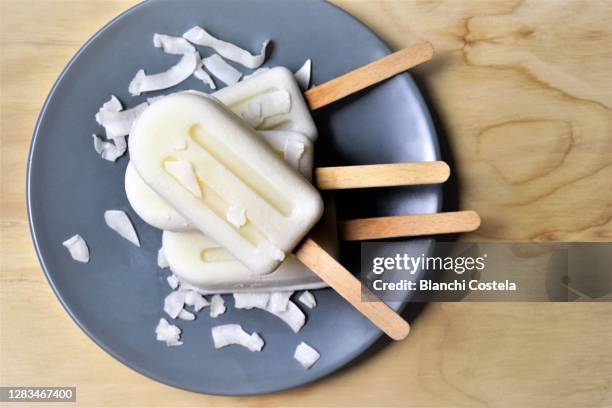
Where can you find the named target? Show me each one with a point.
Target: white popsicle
(215, 171)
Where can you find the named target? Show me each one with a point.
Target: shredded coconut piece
(293, 316)
(183, 172)
(293, 152)
(279, 301)
(270, 104)
(221, 69)
(234, 334)
(254, 73)
(162, 262)
(186, 315)
(269, 249)
(193, 298)
(199, 36)
(236, 215)
(217, 306)
(168, 333)
(77, 247)
(302, 75)
(119, 221)
(251, 300)
(172, 45)
(174, 302)
(119, 123)
(202, 75)
(306, 355)
(308, 299)
(173, 76)
(109, 151)
(173, 282)
(112, 105)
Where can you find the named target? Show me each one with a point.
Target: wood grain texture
(408, 225)
(349, 287)
(523, 92)
(381, 175)
(373, 73)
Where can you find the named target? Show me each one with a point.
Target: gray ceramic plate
(117, 297)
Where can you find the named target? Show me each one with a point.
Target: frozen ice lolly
(215, 171)
(294, 147)
(270, 100)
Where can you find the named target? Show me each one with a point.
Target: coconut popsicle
(216, 172)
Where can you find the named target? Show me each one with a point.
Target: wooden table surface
(523, 93)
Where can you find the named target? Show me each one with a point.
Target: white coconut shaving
(306, 355)
(77, 247)
(221, 69)
(202, 75)
(236, 216)
(173, 76)
(173, 45)
(110, 151)
(168, 333)
(270, 104)
(270, 250)
(162, 262)
(292, 152)
(119, 222)
(293, 316)
(279, 301)
(174, 302)
(254, 73)
(183, 172)
(173, 282)
(302, 75)
(251, 300)
(308, 299)
(199, 36)
(234, 334)
(193, 298)
(119, 123)
(112, 105)
(217, 306)
(186, 315)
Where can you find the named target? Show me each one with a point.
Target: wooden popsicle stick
(381, 175)
(349, 287)
(368, 75)
(409, 225)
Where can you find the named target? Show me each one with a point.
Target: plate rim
(367, 345)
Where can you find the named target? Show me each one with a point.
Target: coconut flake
(173, 282)
(279, 301)
(221, 69)
(168, 333)
(251, 300)
(270, 104)
(199, 36)
(202, 75)
(302, 75)
(183, 172)
(172, 45)
(112, 105)
(293, 152)
(306, 355)
(254, 73)
(266, 248)
(119, 123)
(293, 316)
(308, 299)
(162, 262)
(77, 247)
(186, 315)
(234, 334)
(217, 306)
(193, 298)
(174, 302)
(110, 151)
(173, 76)
(118, 221)
(236, 215)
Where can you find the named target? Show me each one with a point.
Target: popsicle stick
(409, 225)
(368, 75)
(349, 287)
(381, 175)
